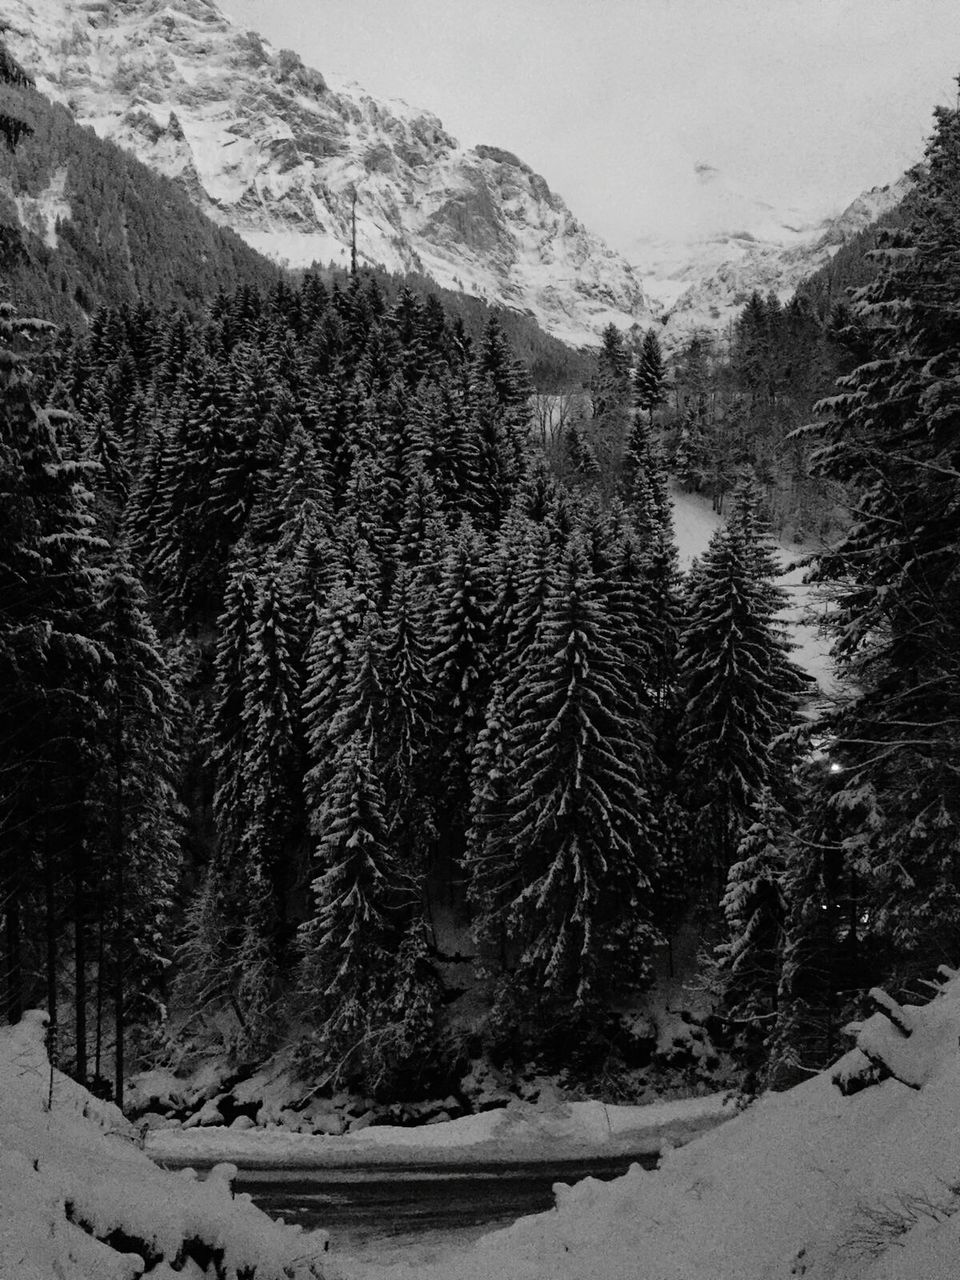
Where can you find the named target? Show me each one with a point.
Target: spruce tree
(579, 822)
(740, 691)
(137, 813)
(349, 943)
(890, 435)
(272, 776)
(461, 675)
(754, 909)
(648, 383)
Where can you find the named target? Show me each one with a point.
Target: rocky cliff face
(265, 145)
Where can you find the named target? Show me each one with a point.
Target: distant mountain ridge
(265, 146)
(704, 281)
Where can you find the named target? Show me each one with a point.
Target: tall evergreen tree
(579, 822)
(648, 383)
(461, 676)
(349, 943)
(137, 811)
(740, 690)
(891, 435)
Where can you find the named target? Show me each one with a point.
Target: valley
(477, 705)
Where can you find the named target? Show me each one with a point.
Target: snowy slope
(79, 1201)
(264, 145)
(808, 1183)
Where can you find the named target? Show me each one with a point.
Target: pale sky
(802, 102)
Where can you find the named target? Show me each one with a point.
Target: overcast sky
(802, 102)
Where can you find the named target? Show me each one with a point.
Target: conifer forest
(355, 702)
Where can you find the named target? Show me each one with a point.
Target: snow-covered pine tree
(461, 675)
(740, 691)
(650, 376)
(605, 433)
(226, 737)
(191, 545)
(498, 369)
(407, 730)
(580, 461)
(828, 957)
(349, 944)
(646, 483)
(891, 436)
(327, 665)
(136, 815)
(580, 824)
(754, 909)
(271, 843)
(491, 864)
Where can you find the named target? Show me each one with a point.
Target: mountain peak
(275, 150)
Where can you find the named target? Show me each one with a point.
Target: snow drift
(78, 1200)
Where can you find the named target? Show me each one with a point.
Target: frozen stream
(388, 1215)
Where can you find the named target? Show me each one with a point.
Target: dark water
(387, 1213)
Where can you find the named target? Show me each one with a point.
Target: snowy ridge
(78, 1200)
(814, 1182)
(262, 144)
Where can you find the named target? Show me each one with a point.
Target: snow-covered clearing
(519, 1133)
(79, 1201)
(807, 1183)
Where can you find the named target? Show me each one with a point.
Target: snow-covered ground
(854, 1175)
(807, 1183)
(521, 1132)
(80, 1201)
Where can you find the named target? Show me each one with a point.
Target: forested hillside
(324, 678)
(396, 670)
(84, 225)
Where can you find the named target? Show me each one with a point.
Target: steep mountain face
(737, 245)
(264, 145)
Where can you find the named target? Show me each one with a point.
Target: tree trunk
(12, 960)
(118, 854)
(50, 932)
(101, 932)
(80, 967)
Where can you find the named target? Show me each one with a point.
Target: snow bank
(78, 1200)
(519, 1133)
(858, 1183)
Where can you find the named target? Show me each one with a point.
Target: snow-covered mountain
(265, 145)
(729, 244)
